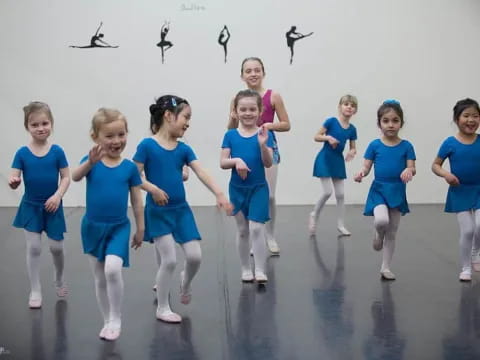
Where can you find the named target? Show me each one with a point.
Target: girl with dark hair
(168, 217)
(394, 160)
(463, 197)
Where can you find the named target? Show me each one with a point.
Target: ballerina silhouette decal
(164, 45)
(292, 36)
(96, 41)
(223, 38)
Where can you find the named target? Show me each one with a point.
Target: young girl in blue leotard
(168, 217)
(330, 165)
(41, 164)
(394, 161)
(248, 150)
(463, 198)
(105, 225)
(252, 72)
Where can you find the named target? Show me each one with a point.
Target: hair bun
(153, 109)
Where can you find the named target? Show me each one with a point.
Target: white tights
(338, 186)
(167, 261)
(254, 231)
(469, 222)
(271, 174)
(34, 250)
(109, 288)
(386, 225)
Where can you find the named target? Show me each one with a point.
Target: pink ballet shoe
(112, 334)
(260, 277)
(247, 276)
(103, 332)
(273, 247)
(465, 275)
(35, 303)
(387, 275)
(169, 317)
(343, 230)
(377, 242)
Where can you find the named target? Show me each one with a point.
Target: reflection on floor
(324, 298)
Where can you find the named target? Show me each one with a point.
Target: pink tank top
(268, 111)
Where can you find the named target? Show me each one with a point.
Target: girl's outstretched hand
(406, 175)
(333, 142)
(262, 135)
(95, 154)
(159, 196)
(452, 179)
(223, 203)
(241, 168)
(14, 182)
(359, 176)
(137, 239)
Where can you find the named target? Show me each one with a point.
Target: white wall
(424, 53)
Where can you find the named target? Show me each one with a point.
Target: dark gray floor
(324, 300)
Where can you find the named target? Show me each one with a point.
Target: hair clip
(174, 102)
(391, 102)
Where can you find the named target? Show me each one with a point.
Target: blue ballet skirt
(252, 201)
(100, 239)
(329, 163)
(33, 217)
(391, 194)
(463, 198)
(176, 220)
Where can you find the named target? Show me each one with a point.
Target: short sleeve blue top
(333, 128)
(163, 168)
(247, 149)
(464, 159)
(389, 161)
(108, 189)
(40, 173)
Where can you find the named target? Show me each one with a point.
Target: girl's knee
(101, 282)
(194, 259)
(193, 252)
(113, 267)
(325, 195)
(56, 249)
(468, 232)
(243, 233)
(381, 223)
(256, 229)
(169, 264)
(113, 273)
(34, 250)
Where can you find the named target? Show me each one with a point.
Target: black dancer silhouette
(292, 36)
(96, 41)
(223, 40)
(164, 45)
